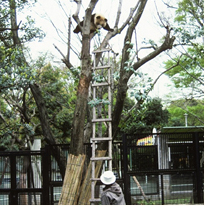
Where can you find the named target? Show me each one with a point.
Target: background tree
(188, 75)
(15, 75)
(150, 115)
(189, 31)
(18, 77)
(194, 109)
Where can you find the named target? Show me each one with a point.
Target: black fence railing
(21, 181)
(164, 168)
(151, 168)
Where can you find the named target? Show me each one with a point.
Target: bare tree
(82, 94)
(130, 23)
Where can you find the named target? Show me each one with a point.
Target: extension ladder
(102, 72)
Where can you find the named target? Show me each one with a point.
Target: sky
(46, 11)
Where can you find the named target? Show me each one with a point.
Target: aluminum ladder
(105, 72)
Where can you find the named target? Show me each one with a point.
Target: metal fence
(21, 178)
(168, 170)
(151, 168)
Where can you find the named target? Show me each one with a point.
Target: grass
(175, 201)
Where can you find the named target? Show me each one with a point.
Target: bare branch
(117, 31)
(61, 6)
(140, 102)
(177, 63)
(64, 60)
(160, 18)
(168, 5)
(118, 13)
(69, 38)
(86, 24)
(132, 10)
(78, 2)
(168, 44)
(57, 30)
(75, 15)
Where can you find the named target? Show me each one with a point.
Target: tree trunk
(14, 26)
(77, 138)
(56, 151)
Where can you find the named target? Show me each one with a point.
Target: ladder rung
(101, 139)
(95, 200)
(101, 67)
(100, 84)
(102, 50)
(100, 158)
(101, 120)
(94, 179)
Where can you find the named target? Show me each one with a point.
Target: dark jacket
(112, 195)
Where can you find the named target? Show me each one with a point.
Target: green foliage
(190, 11)
(194, 109)
(8, 124)
(14, 72)
(189, 73)
(96, 102)
(19, 116)
(29, 32)
(26, 27)
(98, 78)
(139, 86)
(5, 143)
(60, 100)
(150, 115)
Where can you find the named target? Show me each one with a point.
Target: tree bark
(56, 151)
(14, 27)
(77, 138)
(122, 87)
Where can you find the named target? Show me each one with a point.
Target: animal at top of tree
(98, 21)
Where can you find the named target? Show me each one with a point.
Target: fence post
(162, 188)
(46, 161)
(126, 176)
(13, 199)
(198, 195)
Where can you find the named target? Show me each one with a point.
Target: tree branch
(118, 13)
(132, 10)
(167, 44)
(140, 102)
(11, 29)
(75, 15)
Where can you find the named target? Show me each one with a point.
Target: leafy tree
(150, 115)
(194, 109)
(59, 99)
(24, 114)
(18, 82)
(189, 73)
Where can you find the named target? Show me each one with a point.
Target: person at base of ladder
(112, 193)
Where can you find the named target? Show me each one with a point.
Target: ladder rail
(99, 120)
